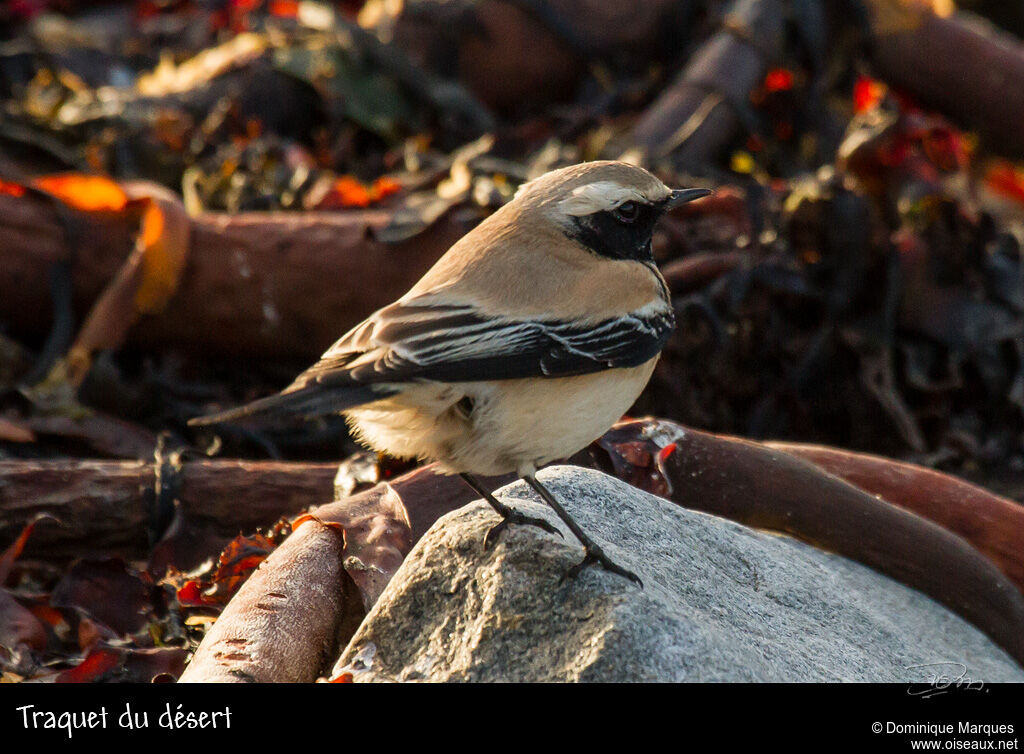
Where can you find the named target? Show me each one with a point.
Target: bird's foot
(595, 556)
(515, 517)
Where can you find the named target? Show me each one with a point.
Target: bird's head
(610, 208)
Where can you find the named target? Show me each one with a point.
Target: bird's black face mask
(620, 233)
(624, 232)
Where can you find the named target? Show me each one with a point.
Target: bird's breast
(500, 426)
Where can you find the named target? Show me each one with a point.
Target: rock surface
(721, 602)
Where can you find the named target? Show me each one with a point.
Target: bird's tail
(305, 403)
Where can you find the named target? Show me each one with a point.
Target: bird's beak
(682, 196)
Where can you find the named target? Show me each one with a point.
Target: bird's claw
(515, 517)
(595, 556)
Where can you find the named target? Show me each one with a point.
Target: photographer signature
(945, 677)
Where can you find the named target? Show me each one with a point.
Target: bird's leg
(508, 515)
(594, 554)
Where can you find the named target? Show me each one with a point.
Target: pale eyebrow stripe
(601, 196)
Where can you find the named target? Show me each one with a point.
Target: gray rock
(721, 602)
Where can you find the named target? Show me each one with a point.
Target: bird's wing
(416, 340)
(423, 340)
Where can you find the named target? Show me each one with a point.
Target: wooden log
(279, 628)
(316, 586)
(383, 523)
(696, 115)
(992, 524)
(693, 272)
(515, 56)
(101, 504)
(958, 64)
(273, 285)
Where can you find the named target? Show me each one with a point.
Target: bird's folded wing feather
(418, 341)
(424, 340)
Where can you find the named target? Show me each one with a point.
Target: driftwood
(697, 114)
(982, 85)
(992, 524)
(272, 631)
(689, 273)
(101, 504)
(281, 623)
(754, 483)
(516, 55)
(104, 435)
(958, 64)
(268, 284)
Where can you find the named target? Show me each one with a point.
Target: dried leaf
(11, 189)
(867, 94)
(1005, 179)
(163, 243)
(168, 78)
(126, 665)
(144, 283)
(88, 193)
(18, 626)
(14, 550)
(12, 431)
(900, 16)
(236, 563)
(377, 533)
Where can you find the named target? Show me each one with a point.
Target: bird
(526, 341)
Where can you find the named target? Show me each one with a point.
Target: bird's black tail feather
(305, 403)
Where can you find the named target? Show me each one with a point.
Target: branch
(276, 285)
(958, 64)
(101, 504)
(697, 114)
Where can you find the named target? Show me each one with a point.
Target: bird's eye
(627, 212)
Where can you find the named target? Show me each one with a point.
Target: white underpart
(604, 195)
(517, 425)
(653, 308)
